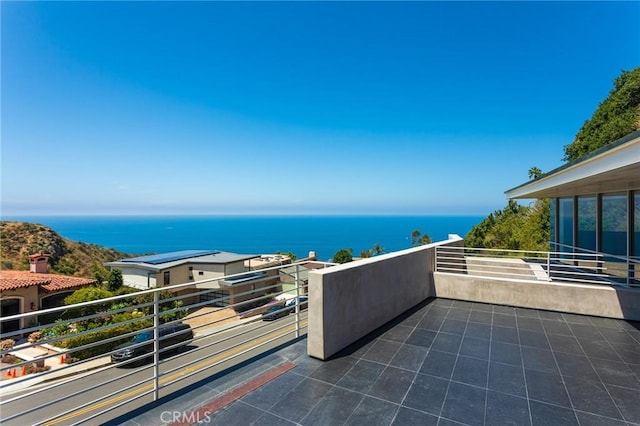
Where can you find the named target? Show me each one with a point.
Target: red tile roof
(11, 280)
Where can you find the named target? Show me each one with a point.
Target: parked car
(275, 312)
(291, 303)
(169, 335)
(279, 311)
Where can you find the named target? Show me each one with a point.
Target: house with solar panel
(200, 270)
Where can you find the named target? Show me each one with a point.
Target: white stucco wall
(138, 278)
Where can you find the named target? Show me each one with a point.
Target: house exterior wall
(177, 275)
(138, 278)
(208, 272)
(26, 296)
(142, 278)
(235, 268)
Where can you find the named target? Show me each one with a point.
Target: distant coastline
(252, 234)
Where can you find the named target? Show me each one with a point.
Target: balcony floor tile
(446, 362)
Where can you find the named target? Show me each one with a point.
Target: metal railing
(82, 341)
(576, 266)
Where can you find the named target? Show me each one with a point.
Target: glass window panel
(587, 207)
(552, 223)
(614, 224)
(565, 224)
(636, 224)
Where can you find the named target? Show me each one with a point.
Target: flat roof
(156, 259)
(157, 262)
(612, 168)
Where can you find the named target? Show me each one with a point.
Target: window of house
(55, 300)
(565, 224)
(587, 222)
(552, 223)
(614, 224)
(167, 278)
(219, 298)
(636, 224)
(10, 306)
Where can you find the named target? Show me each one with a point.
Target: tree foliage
(616, 116)
(114, 280)
(343, 256)
(88, 294)
(374, 251)
(419, 239)
(535, 173)
(515, 227)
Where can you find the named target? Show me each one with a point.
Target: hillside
(20, 239)
(616, 116)
(527, 227)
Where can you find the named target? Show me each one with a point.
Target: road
(110, 392)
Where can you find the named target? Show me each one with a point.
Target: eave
(614, 168)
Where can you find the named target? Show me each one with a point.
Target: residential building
(201, 267)
(595, 203)
(29, 291)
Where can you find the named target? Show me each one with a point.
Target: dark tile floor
(449, 362)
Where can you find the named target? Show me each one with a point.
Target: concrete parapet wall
(349, 301)
(604, 301)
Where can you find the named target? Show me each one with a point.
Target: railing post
(435, 259)
(297, 305)
(549, 266)
(156, 345)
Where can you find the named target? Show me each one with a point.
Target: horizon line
(39, 215)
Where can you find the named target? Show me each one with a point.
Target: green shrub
(96, 336)
(343, 256)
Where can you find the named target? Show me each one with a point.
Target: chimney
(39, 263)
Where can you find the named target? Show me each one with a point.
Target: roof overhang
(614, 168)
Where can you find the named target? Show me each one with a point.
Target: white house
(201, 267)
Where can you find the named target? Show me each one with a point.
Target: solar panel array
(246, 277)
(156, 259)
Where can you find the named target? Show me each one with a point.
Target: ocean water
(253, 234)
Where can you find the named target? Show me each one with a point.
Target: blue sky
(296, 107)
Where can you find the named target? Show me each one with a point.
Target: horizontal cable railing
(84, 341)
(576, 266)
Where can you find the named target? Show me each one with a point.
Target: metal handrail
(584, 267)
(214, 340)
